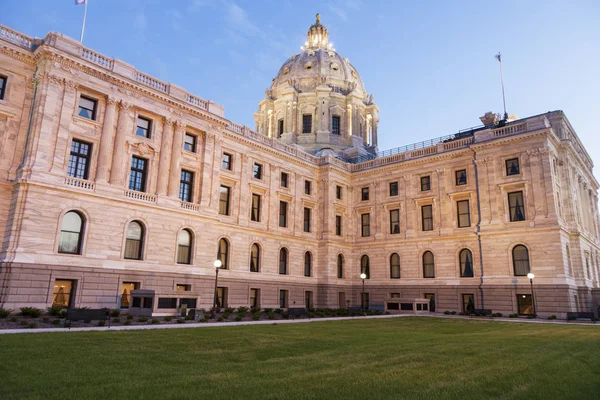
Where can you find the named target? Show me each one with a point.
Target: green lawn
(416, 358)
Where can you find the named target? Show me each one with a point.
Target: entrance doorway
(431, 298)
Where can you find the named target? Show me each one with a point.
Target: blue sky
(429, 64)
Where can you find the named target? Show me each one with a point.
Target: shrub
(23, 322)
(129, 316)
(271, 315)
(101, 323)
(155, 321)
(239, 318)
(115, 313)
(56, 322)
(552, 317)
(189, 318)
(55, 311)
(453, 312)
(32, 325)
(268, 310)
(255, 317)
(68, 324)
(4, 312)
(513, 316)
(45, 319)
(127, 322)
(285, 315)
(311, 315)
(168, 318)
(142, 319)
(31, 312)
(229, 310)
(116, 320)
(62, 313)
(447, 312)
(204, 320)
(499, 314)
(87, 321)
(278, 311)
(531, 316)
(242, 310)
(221, 319)
(180, 321)
(13, 319)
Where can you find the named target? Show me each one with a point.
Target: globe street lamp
(217, 264)
(363, 276)
(531, 276)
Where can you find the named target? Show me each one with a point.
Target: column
(119, 162)
(175, 157)
(208, 158)
(349, 120)
(106, 140)
(165, 157)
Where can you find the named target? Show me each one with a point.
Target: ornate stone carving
(112, 100)
(128, 92)
(168, 121)
(71, 85)
(407, 177)
(142, 148)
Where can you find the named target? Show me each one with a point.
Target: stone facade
(41, 119)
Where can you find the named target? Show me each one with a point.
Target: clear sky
(429, 64)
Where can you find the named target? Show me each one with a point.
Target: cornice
(17, 54)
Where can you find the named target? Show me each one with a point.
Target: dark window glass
(427, 217)
(308, 299)
(466, 263)
(283, 299)
(143, 127)
(226, 162)
(394, 189)
(428, 265)
(525, 304)
(137, 177)
(464, 215)
(468, 303)
(257, 172)
(71, 233)
(425, 183)
(338, 192)
(307, 187)
(340, 266)
(283, 214)
(395, 266)
(516, 206)
(307, 264)
(255, 298)
(255, 213)
(189, 302)
(134, 241)
(255, 258)
(167, 302)
(87, 108)
(184, 247)
(62, 296)
(223, 253)
(3, 80)
(365, 268)
(335, 125)
(338, 225)
(185, 185)
(221, 297)
(512, 167)
(284, 179)
(279, 128)
(79, 159)
(306, 219)
(364, 194)
(189, 143)
(520, 260)
(183, 287)
(283, 261)
(365, 222)
(394, 221)
(224, 200)
(307, 123)
(461, 177)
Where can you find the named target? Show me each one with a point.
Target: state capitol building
(113, 181)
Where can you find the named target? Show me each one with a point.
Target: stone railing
(150, 81)
(198, 102)
(132, 194)
(189, 206)
(510, 130)
(97, 58)
(80, 183)
(16, 38)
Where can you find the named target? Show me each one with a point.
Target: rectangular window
(307, 187)
(221, 297)
(185, 186)
(183, 287)
(516, 206)
(189, 143)
(255, 298)
(255, 214)
(468, 303)
(284, 179)
(226, 161)
(307, 123)
(394, 221)
(512, 167)
(257, 172)
(63, 293)
(338, 192)
(393, 188)
(87, 107)
(279, 128)
(137, 177)
(283, 214)
(464, 214)
(425, 183)
(335, 125)
(188, 303)
(224, 200)
(143, 127)
(365, 223)
(461, 177)
(306, 219)
(427, 217)
(167, 302)
(308, 299)
(79, 159)
(283, 299)
(126, 288)
(524, 304)
(364, 194)
(338, 225)
(3, 80)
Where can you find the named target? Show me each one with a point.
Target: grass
(409, 358)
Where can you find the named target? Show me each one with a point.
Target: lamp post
(531, 276)
(363, 276)
(217, 264)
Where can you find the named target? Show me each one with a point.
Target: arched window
(364, 266)
(71, 233)
(466, 263)
(520, 260)
(395, 266)
(283, 261)
(223, 253)
(307, 264)
(428, 265)
(255, 258)
(340, 266)
(184, 247)
(134, 241)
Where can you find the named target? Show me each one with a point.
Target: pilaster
(106, 140)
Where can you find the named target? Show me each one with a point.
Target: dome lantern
(317, 36)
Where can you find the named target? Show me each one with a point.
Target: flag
(77, 2)
(498, 56)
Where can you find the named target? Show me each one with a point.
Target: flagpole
(499, 56)
(83, 24)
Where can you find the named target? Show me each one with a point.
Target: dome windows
(286, 70)
(308, 65)
(335, 66)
